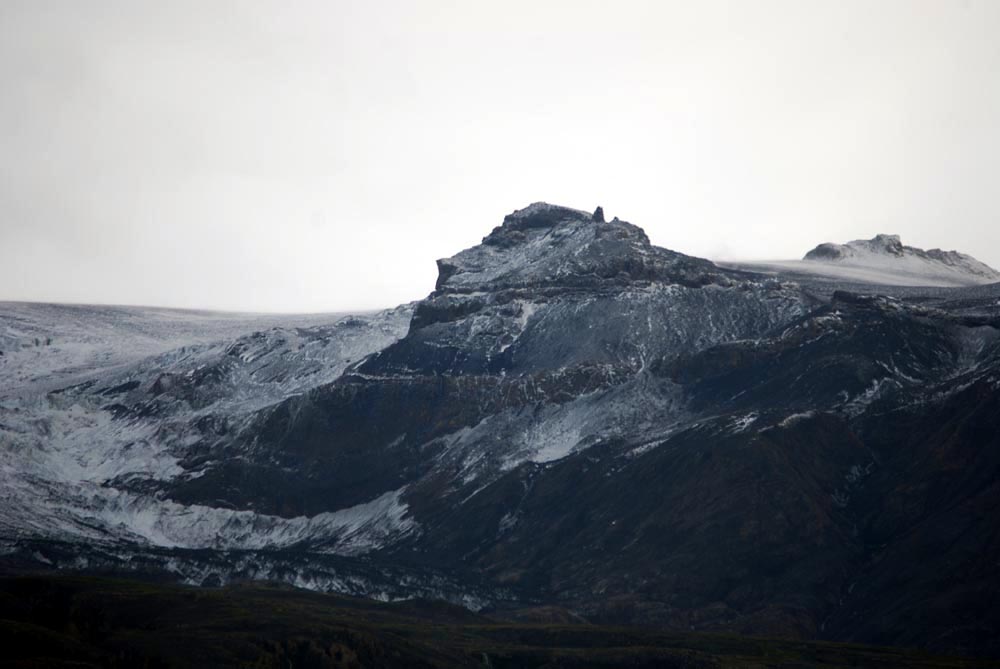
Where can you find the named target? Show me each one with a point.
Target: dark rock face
(551, 309)
(833, 453)
(578, 419)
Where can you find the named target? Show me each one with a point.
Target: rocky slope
(574, 420)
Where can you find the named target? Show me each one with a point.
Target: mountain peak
(889, 243)
(543, 215)
(553, 246)
(887, 253)
(879, 244)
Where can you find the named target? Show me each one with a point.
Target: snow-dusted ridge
(883, 260)
(97, 400)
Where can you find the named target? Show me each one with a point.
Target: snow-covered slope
(45, 347)
(884, 260)
(887, 253)
(99, 403)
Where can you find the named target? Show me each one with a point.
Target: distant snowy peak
(879, 245)
(887, 253)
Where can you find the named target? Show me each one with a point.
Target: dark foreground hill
(89, 622)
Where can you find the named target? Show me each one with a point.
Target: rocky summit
(575, 425)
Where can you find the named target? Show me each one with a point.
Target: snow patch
(352, 531)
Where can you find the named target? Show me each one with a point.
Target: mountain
(887, 253)
(574, 424)
(883, 260)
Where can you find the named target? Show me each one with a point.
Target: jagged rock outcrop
(619, 299)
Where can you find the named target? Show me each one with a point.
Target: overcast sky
(308, 156)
